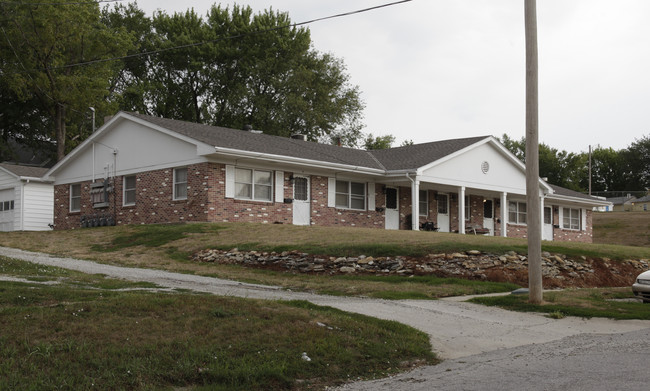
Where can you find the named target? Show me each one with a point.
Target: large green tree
(41, 44)
(636, 160)
(234, 67)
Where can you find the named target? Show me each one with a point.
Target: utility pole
(532, 156)
(590, 170)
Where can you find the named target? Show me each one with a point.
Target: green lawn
(83, 333)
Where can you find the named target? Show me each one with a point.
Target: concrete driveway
(460, 332)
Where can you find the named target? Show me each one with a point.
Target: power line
(293, 25)
(59, 3)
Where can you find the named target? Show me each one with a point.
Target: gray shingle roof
(402, 158)
(572, 193)
(620, 200)
(418, 155)
(26, 171)
(264, 143)
(642, 199)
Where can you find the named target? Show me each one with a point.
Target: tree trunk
(532, 157)
(59, 123)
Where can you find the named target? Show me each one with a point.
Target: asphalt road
(485, 348)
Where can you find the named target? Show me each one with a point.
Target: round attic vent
(485, 167)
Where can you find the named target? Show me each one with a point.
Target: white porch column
(504, 214)
(415, 204)
(461, 210)
(541, 215)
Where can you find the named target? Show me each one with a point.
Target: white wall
(139, 148)
(10, 190)
(33, 204)
(466, 170)
(38, 207)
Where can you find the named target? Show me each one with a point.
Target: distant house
(26, 200)
(138, 169)
(641, 204)
(621, 204)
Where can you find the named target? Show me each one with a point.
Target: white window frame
(518, 212)
(423, 201)
(176, 183)
(6, 205)
(253, 185)
(567, 217)
(468, 208)
(73, 197)
(349, 196)
(125, 190)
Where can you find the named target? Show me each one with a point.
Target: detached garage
(26, 200)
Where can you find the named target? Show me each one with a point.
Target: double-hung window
(180, 183)
(6, 205)
(253, 184)
(75, 197)
(468, 209)
(350, 195)
(517, 212)
(571, 218)
(424, 203)
(129, 190)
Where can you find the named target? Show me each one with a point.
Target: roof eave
(593, 202)
(35, 179)
(299, 161)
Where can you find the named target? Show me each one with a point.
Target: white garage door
(7, 210)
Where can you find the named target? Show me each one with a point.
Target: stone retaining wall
(557, 270)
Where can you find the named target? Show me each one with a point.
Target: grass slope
(77, 334)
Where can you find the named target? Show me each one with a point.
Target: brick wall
(567, 235)
(153, 204)
(325, 216)
(206, 202)
(232, 210)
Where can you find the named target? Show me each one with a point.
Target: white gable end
(127, 148)
(483, 167)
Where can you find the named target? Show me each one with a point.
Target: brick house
(139, 169)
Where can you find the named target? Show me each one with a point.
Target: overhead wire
(60, 3)
(195, 44)
(237, 36)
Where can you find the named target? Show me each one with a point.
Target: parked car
(641, 286)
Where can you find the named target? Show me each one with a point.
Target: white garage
(26, 200)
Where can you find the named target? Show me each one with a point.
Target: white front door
(392, 208)
(547, 232)
(301, 201)
(488, 216)
(443, 212)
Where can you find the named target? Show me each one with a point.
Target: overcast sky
(436, 69)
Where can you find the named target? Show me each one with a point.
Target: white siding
(10, 190)
(466, 170)
(8, 219)
(33, 204)
(38, 209)
(139, 148)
